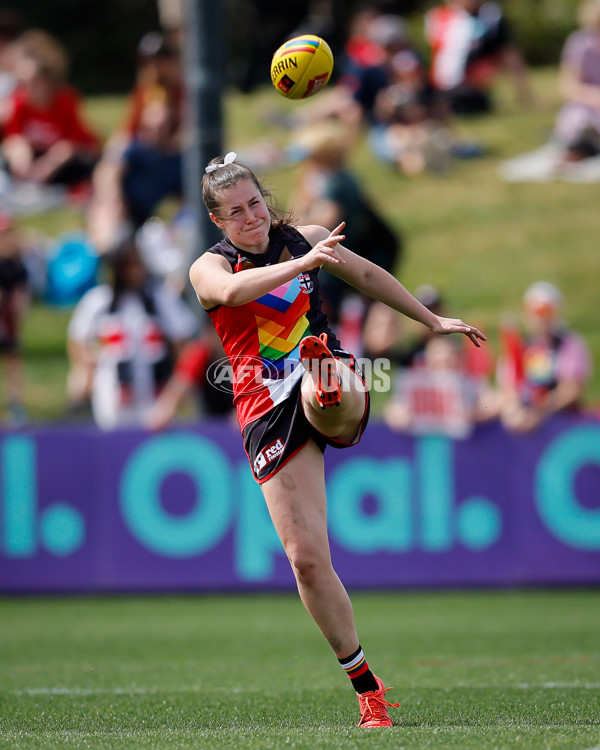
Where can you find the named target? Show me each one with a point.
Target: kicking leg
(334, 397)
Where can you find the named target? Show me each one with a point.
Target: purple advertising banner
(82, 510)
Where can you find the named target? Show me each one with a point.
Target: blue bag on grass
(72, 268)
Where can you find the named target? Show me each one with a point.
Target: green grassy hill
(481, 240)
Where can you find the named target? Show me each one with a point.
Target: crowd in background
(137, 351)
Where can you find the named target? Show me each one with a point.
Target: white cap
(543, 297)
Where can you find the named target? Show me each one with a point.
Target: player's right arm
(216, 284)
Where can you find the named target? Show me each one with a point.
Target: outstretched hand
(325, 250)
(454, 325)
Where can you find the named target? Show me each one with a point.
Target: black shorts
(271, 440)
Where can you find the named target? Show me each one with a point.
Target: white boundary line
(196, 689)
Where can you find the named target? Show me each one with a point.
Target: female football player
(295, 388)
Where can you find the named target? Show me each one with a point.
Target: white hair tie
(229, 158)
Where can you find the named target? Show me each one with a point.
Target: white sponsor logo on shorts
(268, 455)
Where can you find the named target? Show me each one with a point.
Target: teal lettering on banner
(435, 472)
(256, 541)
(479, 523)
(389, 528)
(20, 496)
(63, 529)
(555, 497)
(60, 528)
(147, 519)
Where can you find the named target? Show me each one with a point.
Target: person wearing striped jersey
(296, 389)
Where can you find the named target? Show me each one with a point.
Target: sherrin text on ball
(302, 66)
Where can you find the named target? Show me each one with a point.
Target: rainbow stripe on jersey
(282, 323)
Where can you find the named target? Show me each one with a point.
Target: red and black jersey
(262, 337)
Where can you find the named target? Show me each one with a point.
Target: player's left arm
(378, 284)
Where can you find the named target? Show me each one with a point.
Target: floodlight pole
(203, 42)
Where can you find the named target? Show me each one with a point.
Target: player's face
(244, 217)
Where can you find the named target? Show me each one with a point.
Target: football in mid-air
(302, 66)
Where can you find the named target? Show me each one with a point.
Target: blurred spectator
(171, 21)
(142, 163)
(578, 123)
(327, 193)
(362, 72)
(14, 298)
(471, 43)
(383, 84)
(440, 385)
(159, 77)
(360, 49)
(384, 337)
(46, 139)
(440, 395)
(546, 371)
(573, 151)
(366, 75)
(194, 375)
(166, 247)
(409, 116)
(10, 29)
(122, 340)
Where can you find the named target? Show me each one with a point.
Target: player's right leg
(334, 397)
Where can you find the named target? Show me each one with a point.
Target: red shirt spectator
(45, 138)
(43, 126)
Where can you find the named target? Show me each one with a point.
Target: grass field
(473, 670)
(482, 241)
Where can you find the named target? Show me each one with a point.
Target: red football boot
(319, 361)
(374, 707)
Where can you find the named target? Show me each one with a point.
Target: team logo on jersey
(268, 455)
(306, 283)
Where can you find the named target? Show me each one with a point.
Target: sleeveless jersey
(261, 338)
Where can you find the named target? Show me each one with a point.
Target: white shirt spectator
(132, 343)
